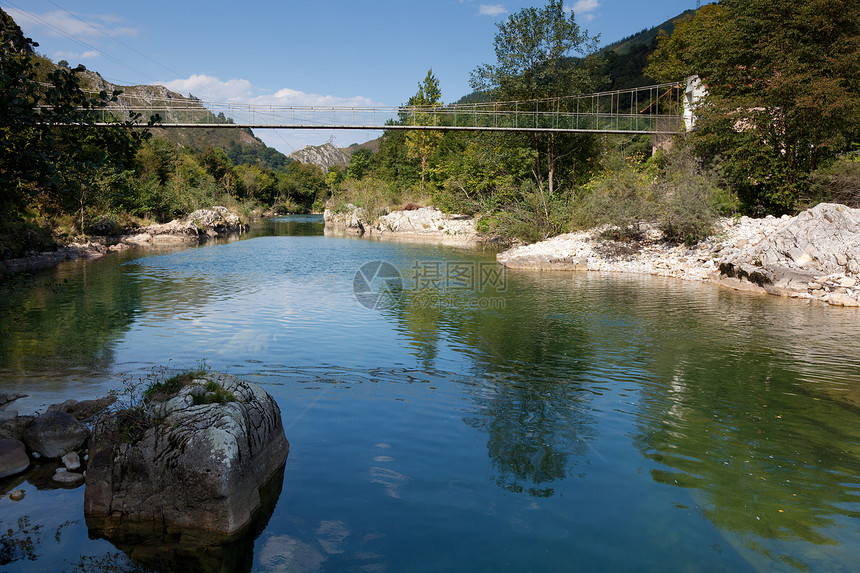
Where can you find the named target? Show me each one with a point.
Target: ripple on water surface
(582, 420)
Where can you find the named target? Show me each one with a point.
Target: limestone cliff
(325, 155)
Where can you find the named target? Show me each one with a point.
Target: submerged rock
(185, 464)
(68, 478)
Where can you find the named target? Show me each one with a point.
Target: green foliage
(373, 195)
(20, 237)
(836, 183)
(530, 48)
(422, 144)
(621, 199)
(783, 83)
(215, 394)
(690, 199)
(670, 191)
(359, 163)
(161, 389)
(534, 215)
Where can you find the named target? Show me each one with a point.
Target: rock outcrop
(325, 155)
(815, 255)
(821, 242)
(424, 223)
(202, 224)
(198, 466)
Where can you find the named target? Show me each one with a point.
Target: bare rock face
(824, 240)
(352, 219)
(325, 155)
(198, 466)
(199, 225)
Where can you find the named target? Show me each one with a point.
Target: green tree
(359, 163)
(533, 61)
(783, 80)
(54, 165)
(421, 144)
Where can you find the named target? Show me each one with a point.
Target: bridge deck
(648, 110)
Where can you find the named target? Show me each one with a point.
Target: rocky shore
(426, 224)
(814, 255)
(201, 225)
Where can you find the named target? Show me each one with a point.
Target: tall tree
(534, 60)
(421, 144)
(783, 80)
(59, 163)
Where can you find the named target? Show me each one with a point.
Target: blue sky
(314, 52)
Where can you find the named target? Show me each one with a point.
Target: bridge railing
(653, 109)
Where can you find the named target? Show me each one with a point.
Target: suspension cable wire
(80, 42)
(115, 39)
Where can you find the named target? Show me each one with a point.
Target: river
(474, 419)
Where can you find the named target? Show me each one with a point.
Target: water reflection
(162, 547)
(65, 318)
(537, 421)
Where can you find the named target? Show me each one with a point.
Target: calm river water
(474, 420)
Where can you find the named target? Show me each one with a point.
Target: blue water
(507, 421)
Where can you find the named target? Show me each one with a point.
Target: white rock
(72, 461)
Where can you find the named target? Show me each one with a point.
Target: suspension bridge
(656, 109)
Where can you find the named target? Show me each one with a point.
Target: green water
(476, 421)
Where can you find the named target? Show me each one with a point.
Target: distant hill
(647, 36)
(325, 155)
(625, 59)
(197, 139)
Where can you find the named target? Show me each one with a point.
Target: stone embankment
(815, 255)
(424, 223)
(200, 225)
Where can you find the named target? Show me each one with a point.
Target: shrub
(534, 216)
(837, 183)
(691, 199)
(622, 200)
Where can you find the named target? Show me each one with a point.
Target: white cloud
(586, 6)
(75, 56)
(212, 88)
(584, 9)
(60, 23)
(491, 10)
(241, 91)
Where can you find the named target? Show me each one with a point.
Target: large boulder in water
(195, 461)
(54, 434)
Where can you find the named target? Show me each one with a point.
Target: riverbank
(200, 225)
(422, 224)
(815, 255)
